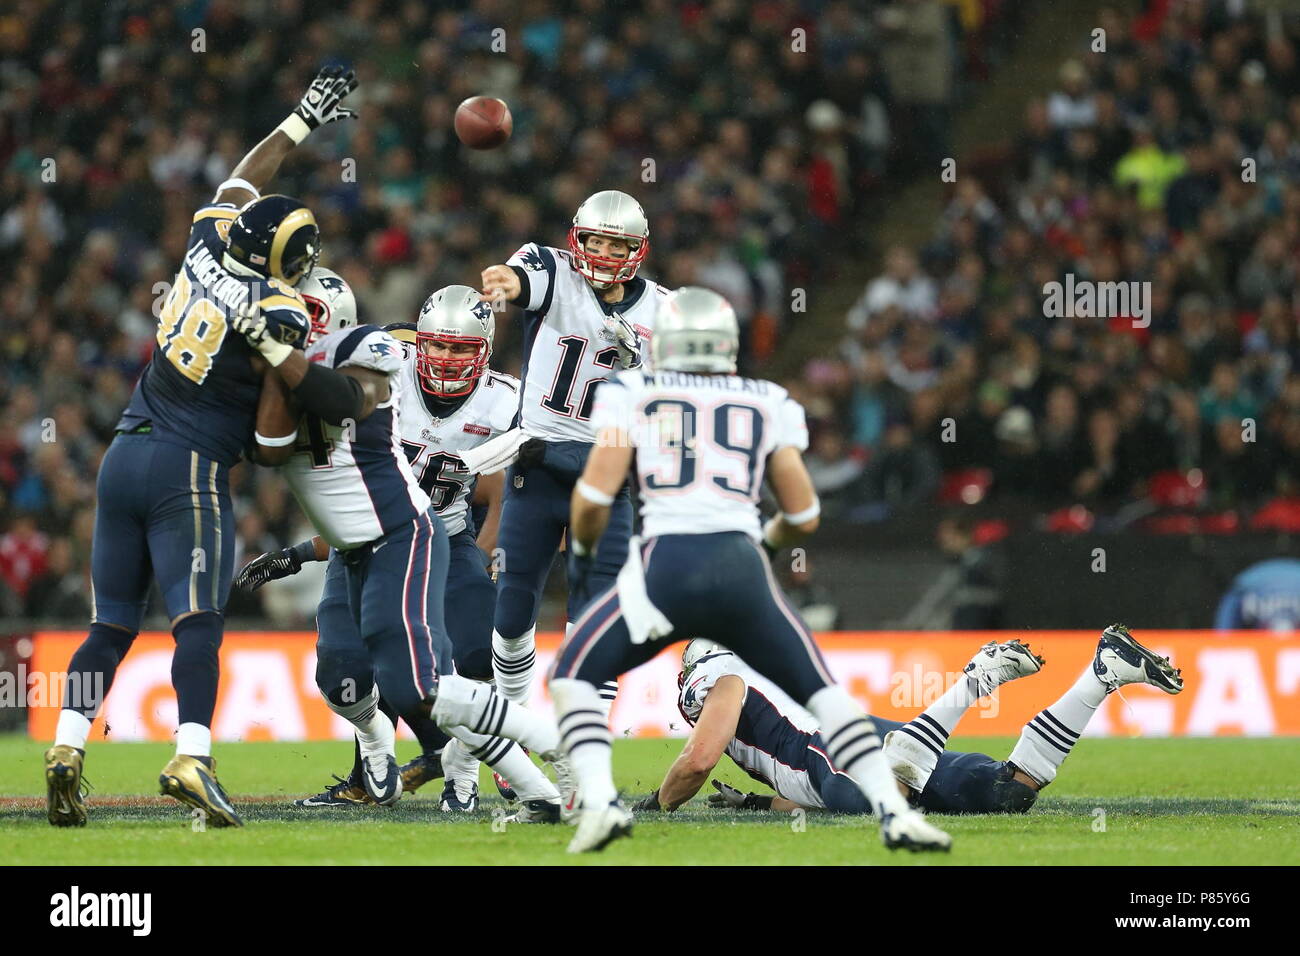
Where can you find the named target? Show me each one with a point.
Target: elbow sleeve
(331, 395)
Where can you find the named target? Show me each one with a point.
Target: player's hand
(500, 284)
(579, 568)
(732, 799)
(249, 322)
(320, 104)
(268, 567)
(531, 454)
(649, 804)
(629, 344)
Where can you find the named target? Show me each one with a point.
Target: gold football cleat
(194, 783)
(64, 805)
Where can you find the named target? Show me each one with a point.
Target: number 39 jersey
(702, 443)
(353, 481)
(570, 345)
(432, 444)
(199, 389)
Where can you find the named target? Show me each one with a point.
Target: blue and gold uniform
(164, 499)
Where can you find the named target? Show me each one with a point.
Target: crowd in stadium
(1170, 159)
(1131, 169)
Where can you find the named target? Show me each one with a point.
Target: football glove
(648, 804)
(268, 567)
(320, 104)
(732, 799)
(249, 322)
(531, 454)
(579, 569)
(629, 344)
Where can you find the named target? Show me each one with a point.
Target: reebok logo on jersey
(478, 429)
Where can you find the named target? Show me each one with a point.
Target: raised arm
(320, 105)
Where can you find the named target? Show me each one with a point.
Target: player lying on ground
(163, 496)
(734, 711)
(351, 477)
(450, 401)
(703, 440)
(586, 312)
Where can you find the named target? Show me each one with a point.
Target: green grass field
(1169, 802)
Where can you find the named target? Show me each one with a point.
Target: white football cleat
(599, 828)
(994, 664)
(1121, 660)
(910, 761)
(909, 829)
(566, 781)
(382, 779)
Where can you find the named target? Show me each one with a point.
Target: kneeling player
(733, 711)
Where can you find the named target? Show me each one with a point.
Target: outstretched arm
(708, 742)
(320, 105)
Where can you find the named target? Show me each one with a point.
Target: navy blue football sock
(194, 666)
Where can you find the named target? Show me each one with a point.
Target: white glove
(320, 104)
(629, 344)
(249, 322)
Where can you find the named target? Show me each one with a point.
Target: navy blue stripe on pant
(163, 512)
(715, 586)
(395, 589)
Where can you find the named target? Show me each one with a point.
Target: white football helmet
(695, 331)
(330, 303)
(619, 216)
(696, 650)
(450, 316)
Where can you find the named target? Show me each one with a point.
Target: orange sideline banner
(1244, 683)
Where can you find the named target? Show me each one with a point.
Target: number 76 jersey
(702, 444)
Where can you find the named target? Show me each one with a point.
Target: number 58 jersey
(702, 444)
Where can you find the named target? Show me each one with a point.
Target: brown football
(483, 122)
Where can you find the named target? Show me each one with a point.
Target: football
(483, 122)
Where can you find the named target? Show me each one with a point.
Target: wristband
(295, 127)
(593, 494)
(279, 442)
(807, 514)
(579, 549)
(238, 184)
(305, 551)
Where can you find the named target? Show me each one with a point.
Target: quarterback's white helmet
(453, 316)
(695, 331)
(330, 303)
(619, 216)
(696, 650)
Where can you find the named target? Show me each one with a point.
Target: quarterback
(587, 314)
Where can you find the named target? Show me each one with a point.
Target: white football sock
(505, 758)
(459, 766)
(1052, 733)
(73, 730)
(854, 747)
(375, 732)
(473, 704)
(932, 727)
(513, 660)
(587, 740)
(193, 740)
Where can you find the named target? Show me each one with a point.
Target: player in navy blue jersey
(163, 491)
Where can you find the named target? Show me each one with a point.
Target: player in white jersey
(587, 314)
(351, 476)
(449, 402)
(703, 440)
(734, 711)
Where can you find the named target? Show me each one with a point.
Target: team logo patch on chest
(478, 429)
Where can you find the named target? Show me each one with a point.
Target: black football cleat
(344, 793)
(423, 769)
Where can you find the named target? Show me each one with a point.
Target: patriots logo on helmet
(332, 283)
(532, 261)
(483, 312)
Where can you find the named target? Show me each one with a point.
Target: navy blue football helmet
(277, 237)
